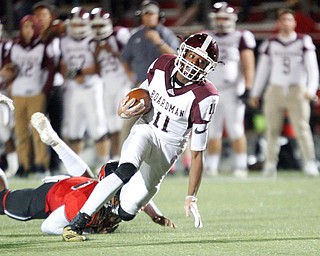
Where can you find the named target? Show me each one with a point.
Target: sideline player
(60, 197)
(288, 77)
(116, 83)
(232, 79)
(83, 102)
(183, 102)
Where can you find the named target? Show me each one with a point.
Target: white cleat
(211, 172)
(44, 128)
(240, 173)
(269, 171)
(311, 169)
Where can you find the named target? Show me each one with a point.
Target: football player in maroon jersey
(183, 102)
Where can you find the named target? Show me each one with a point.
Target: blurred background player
(148, 42)
(59, 198)
(50, 35)
(83, 102)
(288, 77)
(29, 91)
(7, 73)
(233, 79)
(110, 42)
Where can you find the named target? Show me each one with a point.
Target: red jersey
(72, 192)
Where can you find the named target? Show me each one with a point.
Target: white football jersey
(287, 63)
(228, 73)
(111, 68)
(178, 111)
(287, 66)
(29, 60)
(78, 54)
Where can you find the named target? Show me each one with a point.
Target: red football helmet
(101, 23)
(79, 23)
(204, 46)
(107, 169)
(223, 17)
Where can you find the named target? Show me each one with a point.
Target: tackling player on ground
(60, 197)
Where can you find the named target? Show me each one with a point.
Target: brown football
(141, 94)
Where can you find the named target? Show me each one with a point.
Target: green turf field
(252, 217)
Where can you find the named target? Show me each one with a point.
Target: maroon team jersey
(178, 109)
(72, 192)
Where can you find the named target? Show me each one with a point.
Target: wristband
(193, 198)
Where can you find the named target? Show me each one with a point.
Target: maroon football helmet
(204, 46)
(101, 23)
(79, 23)
(223, 17)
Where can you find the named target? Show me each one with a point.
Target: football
(141, 94)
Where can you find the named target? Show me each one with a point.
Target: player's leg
(133, 152)
(145, 184)
(22, 135)
(55, 113)
(274, 113)
(299, 113)
(73, 163)
(25, 204)
(215, 141)
(234, 121)
(6, 137)
(97, 123)
(41, 157)
(55, 222)
(75, 124)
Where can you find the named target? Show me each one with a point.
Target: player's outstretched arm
(152, 210)
(195, 174)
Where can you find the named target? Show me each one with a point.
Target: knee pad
(124, 215)
(125, 171)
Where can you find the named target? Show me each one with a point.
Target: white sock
(212, 161)
(4, 178)
(13, 163)
(74, 164)
(102, 193)
(241, 161)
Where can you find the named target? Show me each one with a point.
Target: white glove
(126, 110)
(190, 206)
(7, 100)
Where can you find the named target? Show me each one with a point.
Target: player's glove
(126, 109)
(7, 101)
(190, 206)
(244, 97)
(163, 221)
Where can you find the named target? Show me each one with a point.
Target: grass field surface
(255, 216)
